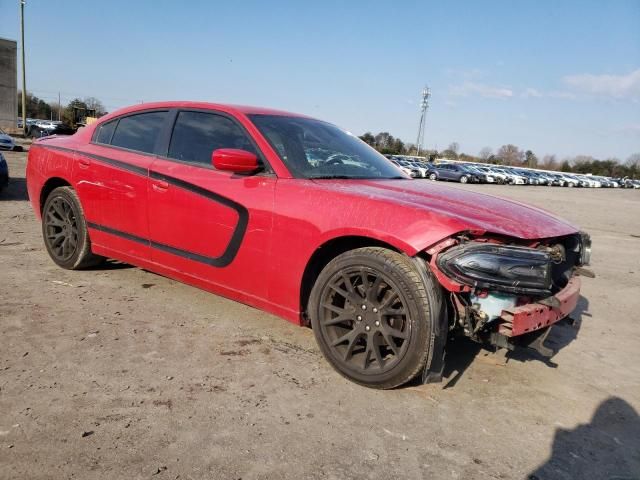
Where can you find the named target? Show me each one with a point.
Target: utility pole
(424, 105)
(24, 75)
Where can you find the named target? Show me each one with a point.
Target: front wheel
(464, 179)
(65, 231)
(373, 315)
(433, 176)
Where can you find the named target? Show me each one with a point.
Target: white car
(47, 124)
(6, 141)
(512, 178)
(496, 177)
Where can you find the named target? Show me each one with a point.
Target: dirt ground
(120, 373)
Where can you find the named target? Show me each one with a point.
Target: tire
(433, 176)
(464, 179)
(383, 350)
(63, 218)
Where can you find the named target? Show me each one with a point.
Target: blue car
(4, 172)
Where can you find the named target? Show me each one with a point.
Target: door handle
(160, 185)
(84, 163)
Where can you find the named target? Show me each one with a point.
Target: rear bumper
(534, 316)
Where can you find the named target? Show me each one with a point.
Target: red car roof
(244, 109)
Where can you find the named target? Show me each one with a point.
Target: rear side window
(197, 134)
(105, 132)
(138, 132)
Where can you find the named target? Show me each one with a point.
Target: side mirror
(234, 160)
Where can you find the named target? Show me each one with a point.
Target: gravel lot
(120, 373)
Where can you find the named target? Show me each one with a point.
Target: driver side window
(197, 134)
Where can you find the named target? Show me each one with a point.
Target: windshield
(314, 149)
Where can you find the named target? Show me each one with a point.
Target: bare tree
(454, 147)
(633, 161)
(550, 162)
(510, 155)
(486, 153)
(93, 103)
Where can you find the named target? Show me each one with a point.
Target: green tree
(74, 111)
(36, 107)
(368, 138)
(449, 154)
(530, 159)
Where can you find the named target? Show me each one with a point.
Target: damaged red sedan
(299, 218)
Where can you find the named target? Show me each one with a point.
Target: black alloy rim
(61, 228)
(365, 320)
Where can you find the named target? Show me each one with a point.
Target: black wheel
(373, 314)
(464, 179)
(433, 176)
(65, 231)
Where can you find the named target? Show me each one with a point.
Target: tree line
(512, 155)
(41, 109)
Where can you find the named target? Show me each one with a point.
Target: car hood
(476, 211)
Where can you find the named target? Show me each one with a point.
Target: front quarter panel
(307, 216)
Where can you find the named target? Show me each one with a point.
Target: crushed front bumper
(534, 316)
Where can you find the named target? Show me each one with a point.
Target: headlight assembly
(506, 268)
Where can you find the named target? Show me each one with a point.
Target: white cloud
(632, 129)
(470, 88)
(615, 86)
(531, 92)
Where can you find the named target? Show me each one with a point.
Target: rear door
(112, 177)
(445, 172)
(214, 225)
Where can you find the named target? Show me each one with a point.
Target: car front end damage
(507, 293)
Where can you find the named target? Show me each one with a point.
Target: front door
(210, 224)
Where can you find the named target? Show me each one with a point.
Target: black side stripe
(110, 161)
(238, 234)
(220, 261)
(235, 242)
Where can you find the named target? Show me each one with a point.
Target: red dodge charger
(300, 218)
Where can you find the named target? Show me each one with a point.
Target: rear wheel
(433, 176)
(373, 315)
(65, 231)
(464, 179)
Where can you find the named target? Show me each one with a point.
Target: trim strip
(236, 238)
(111, 161)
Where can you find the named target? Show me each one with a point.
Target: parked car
(6, 141)
(452, 172)
(512, 178)
(39, 130)
(412, 172)
(496, 176)
(30, 121)
(4, 172)
(529, 177)
(482, 176)
(382, 267)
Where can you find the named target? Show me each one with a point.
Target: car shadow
(110, 264)
(461, 351)
(16, 190)
(606, 448)
(560, 335)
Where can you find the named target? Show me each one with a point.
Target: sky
(556, 77)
